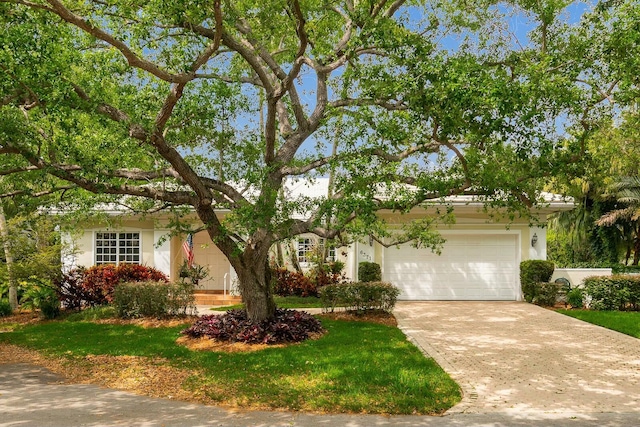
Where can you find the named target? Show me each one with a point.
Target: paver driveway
(516, 358)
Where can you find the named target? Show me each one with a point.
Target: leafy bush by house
(40, 295)
(369, 272)
(575, 298)
(5, 308)
(95, 285)
(154, 299)
(327, 274)
(546, 294)
(72, 294)
(533, 272)
(292, 283)
(617, 292)
(234, 326)
(359, 296)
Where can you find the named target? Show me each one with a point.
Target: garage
(471, 267)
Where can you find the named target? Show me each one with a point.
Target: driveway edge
(469, 393)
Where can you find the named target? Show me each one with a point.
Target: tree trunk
(255, 287)
(293, 254)
(4, 233)
(636, 250)
(279, 255)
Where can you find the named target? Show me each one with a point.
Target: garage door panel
(471, 267)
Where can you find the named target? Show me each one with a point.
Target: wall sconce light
(534, 240)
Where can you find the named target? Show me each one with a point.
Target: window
(117, 248)
(306, 248)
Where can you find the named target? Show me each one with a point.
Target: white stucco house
(479, 261)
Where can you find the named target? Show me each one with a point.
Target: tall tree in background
(159, 101)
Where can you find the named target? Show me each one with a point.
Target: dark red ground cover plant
(287, 326)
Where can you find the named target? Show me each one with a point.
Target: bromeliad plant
(234, 326)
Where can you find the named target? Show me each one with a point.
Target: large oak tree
(216, 104)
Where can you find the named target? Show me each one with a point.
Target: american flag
(187, 247)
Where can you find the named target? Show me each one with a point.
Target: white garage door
(471, 267)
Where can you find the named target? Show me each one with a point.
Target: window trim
(307, 249)
(313, 242)
(118, 255)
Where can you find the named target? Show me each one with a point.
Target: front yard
(627, 322)
(358, 367)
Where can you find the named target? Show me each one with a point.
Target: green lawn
(282, 302)
(627, 322)
(355, 367)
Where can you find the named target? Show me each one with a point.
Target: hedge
(618, 292)
(533, 272)
(359, 296)
(369, 272)
(95, 286)
(154, 299)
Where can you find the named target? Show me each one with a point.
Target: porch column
(162, 251)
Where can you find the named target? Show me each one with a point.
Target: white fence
(576, 276)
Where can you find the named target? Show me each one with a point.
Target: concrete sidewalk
(516, 358)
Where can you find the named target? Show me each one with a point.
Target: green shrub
(532, 272)
(359, 296)
(154, 299)
(546, 294)
(622, 269)
(99, 281)
(39, 295)
(574, 298)
(326, 274)
(369, 272)
(5, 308)
(618, 292)
(50, 306)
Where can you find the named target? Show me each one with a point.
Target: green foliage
(328, 273)
(545, 294)
(154, 299)
(491, 116)
(35, 247)
(5, 308)
(39, 295)
(359, 296)
(99, 282)
(621, 269)
(533, 272)
(618, 292)
(575, 298)
(369, 272)
(92, 313)
(195, 273)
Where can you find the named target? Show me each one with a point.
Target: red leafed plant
(288, 283)
(100, 281)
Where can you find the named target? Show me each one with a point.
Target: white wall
(577, 275)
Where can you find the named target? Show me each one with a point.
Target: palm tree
(585, 241)
(626, 216)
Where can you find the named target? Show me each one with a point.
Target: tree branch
(135, 130)
(37, 194)
(177, 88)
(132, 58)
